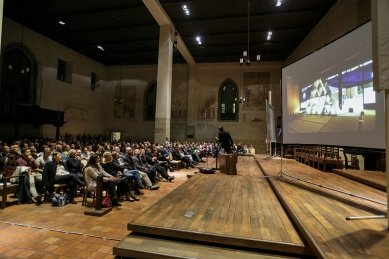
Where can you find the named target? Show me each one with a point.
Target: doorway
(115, 136)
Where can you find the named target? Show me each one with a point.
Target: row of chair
(319, 156)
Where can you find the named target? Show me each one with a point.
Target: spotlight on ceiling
(100, 47)
(269, 34)
(279, 2)
(186, 10)
(61, 22)
(198, 40)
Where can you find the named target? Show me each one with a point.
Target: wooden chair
(7, 187)
(329, 156)
(84, 162)
(354, 162)
(59, 186)
(315, 156)
(85, 195)
(176, 164)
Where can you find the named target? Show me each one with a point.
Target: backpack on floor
(59, 200)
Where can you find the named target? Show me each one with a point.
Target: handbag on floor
(105, 203)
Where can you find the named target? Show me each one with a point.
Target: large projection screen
(328, 96)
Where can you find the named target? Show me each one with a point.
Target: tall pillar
(164, 84)
(190, 123)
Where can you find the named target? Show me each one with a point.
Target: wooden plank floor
(320, 213)
(377, 179)
(238, 210)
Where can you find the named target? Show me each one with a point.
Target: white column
(164, 84)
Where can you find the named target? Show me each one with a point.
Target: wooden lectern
(227, 164)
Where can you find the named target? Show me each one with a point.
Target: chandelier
(245, 59)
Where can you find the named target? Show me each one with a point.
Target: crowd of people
(127, 167)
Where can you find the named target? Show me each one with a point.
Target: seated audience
(4, 152)
(146, 176)
(46, 157)
(121, 181)
(94, 169)
(74, 164)
(35, 176)
(160, 167)
(127, 168)
(56, 172)
(85, 154)
(179, 155)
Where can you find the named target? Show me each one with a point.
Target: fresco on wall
(76, 112)
(179, 106)
(256, 90)
(125, 110)
(179, 126)
(206, 126)
(207, 108)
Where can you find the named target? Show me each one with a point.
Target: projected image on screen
(328, 96)
(356, 88)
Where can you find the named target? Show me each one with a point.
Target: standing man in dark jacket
(225, 140)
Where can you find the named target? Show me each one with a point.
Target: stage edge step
(141, 246)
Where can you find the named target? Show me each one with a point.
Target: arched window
(18, 74)
(228, 109)
(151, 97)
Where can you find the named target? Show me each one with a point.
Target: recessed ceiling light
(279, 2)
(61, 22)
(198, 40)
(100, 47)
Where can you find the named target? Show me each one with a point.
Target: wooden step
(137, 245)
(376, 179)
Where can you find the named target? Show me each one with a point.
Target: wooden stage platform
(377, 179)
(252, 216)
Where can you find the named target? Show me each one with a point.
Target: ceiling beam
(253, 15)
(162, 18)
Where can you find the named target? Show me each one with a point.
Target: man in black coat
(74, 164)
(53, 175)
(225, 140)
